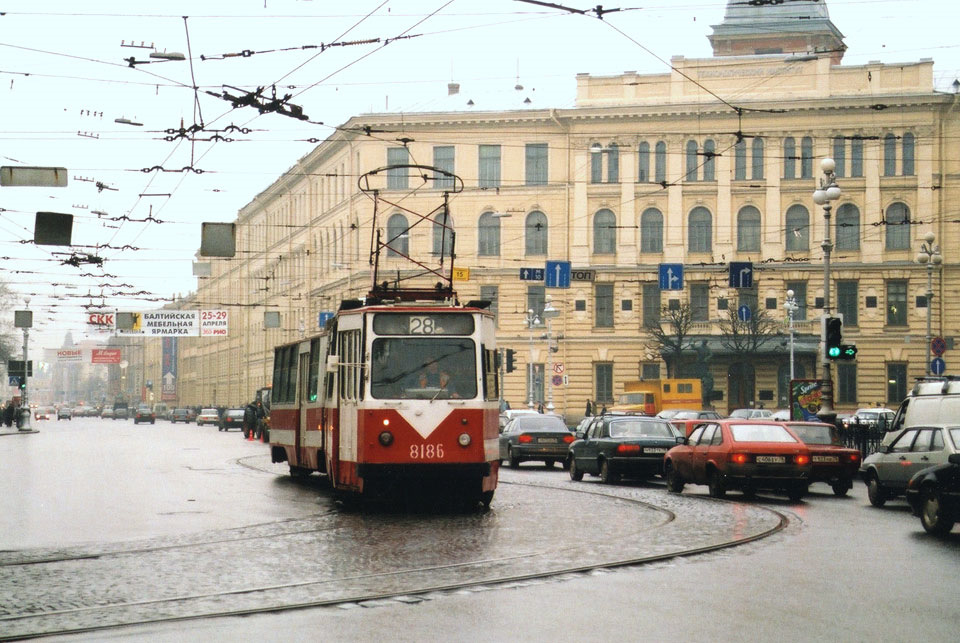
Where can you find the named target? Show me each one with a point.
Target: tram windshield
(423, 368)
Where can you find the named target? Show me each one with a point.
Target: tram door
(350, 381)
(303, 391)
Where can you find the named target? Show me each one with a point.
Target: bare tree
(746, 339)
(670, 336)
(8, 341)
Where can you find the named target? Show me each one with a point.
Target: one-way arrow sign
(741, 274)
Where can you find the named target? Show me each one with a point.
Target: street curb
(18, 432)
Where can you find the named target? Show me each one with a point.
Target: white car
(208, 416)
(752, 414)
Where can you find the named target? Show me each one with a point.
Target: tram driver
(434, 377)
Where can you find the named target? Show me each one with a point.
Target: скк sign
(100, 319)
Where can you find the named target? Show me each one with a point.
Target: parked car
(181, 415)
(121, 413)
(144, 414)
(622, 445)
(106, 413)
(752, 414)
(830, 460)
(64, 413)
(781, 415)
(232, 419)
(740, 454)
(535, 437)
(887, 472)
(208, 416)
(688, 414)
(934, 493)
(509, 414)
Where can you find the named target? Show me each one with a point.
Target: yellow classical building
(711, 163)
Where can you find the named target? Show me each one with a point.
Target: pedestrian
(249, 419)
(8, 414)
(539, 407)
(589, 409)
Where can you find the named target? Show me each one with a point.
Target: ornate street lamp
(532, 322)
(549, 312)
(930, 255)
(827, 192)
(791, 307)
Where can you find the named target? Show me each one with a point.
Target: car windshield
(632, 398)
(868, 415)
(760, 433)
(541, 423)
(641, 428)
(815, 433)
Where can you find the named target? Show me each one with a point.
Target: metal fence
(864, 437)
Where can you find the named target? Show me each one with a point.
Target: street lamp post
(930, 255)
(25, 322)
(549, 312)
(791, 306)
(532, 322)
(827, 192)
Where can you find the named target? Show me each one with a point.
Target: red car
(740, 454)
(831, 462)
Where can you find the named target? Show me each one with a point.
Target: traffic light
(834, 337)
(848, 351)
(511, 360)
(23, 383)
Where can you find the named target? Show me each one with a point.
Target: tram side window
(285, 374)
(491, 388)
(350, 361)
(316, 355)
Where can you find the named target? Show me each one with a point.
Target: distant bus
(653, 396)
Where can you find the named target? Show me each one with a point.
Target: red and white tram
(392, 396)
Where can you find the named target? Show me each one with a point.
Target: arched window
(848, 227)
(700, 230)
(789, 158)
(651, 230)
(806, 157)
(908, 140)
(443, 234)
(613, 163)
(691, 161)
(748, 229)
(604, 232)
(740, 160)
(643, 162)
(536, 233)
(709, 165)
(889, 155)
(660, 162)
(398, 237)
(798, 228)
(757, 159)
(488, 235)
(596, 163)
(898, 227)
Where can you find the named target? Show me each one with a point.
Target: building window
(603, 305)
(643, 162)
(799, 289)
(789, 158)
(660, 162)
(536, 163)
(700, 302)
(536, 234)
(757, 160)
(908, 147)
(840, 155)
(651, 304)
(847, 302)
(536, 297)
(748, 229)
(896, 383)
(397, 178)
(806, 157)
(398, 236)
(889, 155)
(846, 383)
(691, 161)
(898, 227)
(649, 371)
(700, 230)
(596, 163)
(740, 160)
(709, 164)
(491, 294)
(597, 157)
(856, 157)
(798, 228)
(488, 235)
(443, 160)
(651, 230)
(489, 166)
(603, 377)
(848, 227)
(604, 232)
(613, 163)
(443, 234)
(896, 303)
(535, 385)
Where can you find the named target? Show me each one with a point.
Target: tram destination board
(423, 323)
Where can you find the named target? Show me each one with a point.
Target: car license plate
(771, 459)
(655, 450)
(825, 458)
(547, 440)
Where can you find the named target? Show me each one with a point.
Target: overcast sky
(65, 81)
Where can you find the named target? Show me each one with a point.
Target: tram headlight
(386, 438)
(464, 439)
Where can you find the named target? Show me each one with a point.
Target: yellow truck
(653, 396)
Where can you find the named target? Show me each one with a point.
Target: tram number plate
(426, 451)
(771, 459)
(825, 458)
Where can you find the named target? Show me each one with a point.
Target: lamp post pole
(532, 322)
(930, 255)
(827, 192)
(26, 322)
(549, 312)
(791, 305)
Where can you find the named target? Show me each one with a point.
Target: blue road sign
(744, 313)
(531, 274)
(671, 276)
(14, 380)
(323, 318)
(557, 274)
(741, 274)
(937, 366)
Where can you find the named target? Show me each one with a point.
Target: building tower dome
(799, 27)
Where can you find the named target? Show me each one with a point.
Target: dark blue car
(622, 445)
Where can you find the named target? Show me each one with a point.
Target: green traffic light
(834, 351)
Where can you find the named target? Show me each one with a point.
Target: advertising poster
(806, 398)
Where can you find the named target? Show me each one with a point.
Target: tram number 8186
(426, 451)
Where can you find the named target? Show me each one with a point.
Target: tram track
(415, 583)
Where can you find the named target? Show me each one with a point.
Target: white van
(932, 401)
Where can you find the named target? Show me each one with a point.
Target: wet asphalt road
(207, 513)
